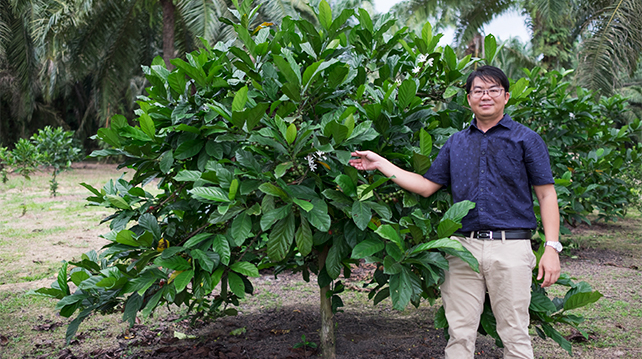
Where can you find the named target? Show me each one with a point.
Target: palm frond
(476, 14)
(612, 46)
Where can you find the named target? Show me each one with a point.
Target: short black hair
(488, 74)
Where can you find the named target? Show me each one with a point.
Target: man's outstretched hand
(366, 161)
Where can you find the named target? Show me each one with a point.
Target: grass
(61, 228)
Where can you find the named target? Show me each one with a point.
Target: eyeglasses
(492, 92)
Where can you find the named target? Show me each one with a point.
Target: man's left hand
(549, 267)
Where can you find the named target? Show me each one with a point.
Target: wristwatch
(555, 244)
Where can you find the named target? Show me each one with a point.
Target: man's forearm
(409, 181)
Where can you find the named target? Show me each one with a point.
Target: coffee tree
(58, 150)
(591, 154)
(249, 141)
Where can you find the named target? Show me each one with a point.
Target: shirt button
(482, 171)
(481, 209)
(483, 152)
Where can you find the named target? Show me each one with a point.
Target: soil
(273, 332)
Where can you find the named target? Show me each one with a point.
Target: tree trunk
(328, 349)
(168, 31)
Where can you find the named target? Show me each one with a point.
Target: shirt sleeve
(439, 171)
(537, 161)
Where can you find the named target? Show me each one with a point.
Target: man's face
(484, 105)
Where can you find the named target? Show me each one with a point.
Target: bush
(58, 150)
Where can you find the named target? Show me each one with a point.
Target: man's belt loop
(472, 234)
(503, 237)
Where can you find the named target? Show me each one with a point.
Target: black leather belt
(497, 234)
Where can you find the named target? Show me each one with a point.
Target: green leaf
(246, 268)
(221, 246)
(281, 238)
(118, 202)
(240, 98)
(241, 228)
(420, 163)
(346, 184)
(272, 190)
(147, 125)
(133, 305)
(188, 149)
(78, 277)
(197, 239)
(490, 48)
(425, 143)
(439, 243)
(390, 233)
(303, 238)
(305, 205)
(450, 58)
(166, 162)
(269, 217)
(188, 176)
(210, 193)
(541, 303)
(426, 33)
(149, 222)
(203, 259)
(581, 299)
(459, 210)
(236, 284)
(325, 14)
(318, 216)
(367, 247)
(364, 194)
(361, 214)
(175, 263)
(450, 92)
(400, 289)
(282, 168)
(336, 254)
(407, 92)
(127, 237)
(447, 227)
(290, 134)
(557, 337)
(286, 70)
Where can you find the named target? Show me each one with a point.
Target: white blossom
(416, 70)
(311, 163)
(430, 61)
(422, 58)
(320, 155)
(571, 115)
(398, 81)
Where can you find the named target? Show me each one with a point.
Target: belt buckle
(486, 235)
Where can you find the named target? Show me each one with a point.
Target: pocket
(530, 256)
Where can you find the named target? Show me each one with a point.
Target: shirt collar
(506, 122)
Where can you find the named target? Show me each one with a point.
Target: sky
(511, 24)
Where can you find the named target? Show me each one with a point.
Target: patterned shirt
(495, 170)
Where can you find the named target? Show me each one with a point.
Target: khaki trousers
(505, 271)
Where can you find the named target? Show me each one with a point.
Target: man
(494, 163)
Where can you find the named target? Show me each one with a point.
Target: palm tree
(76, 63)
(607, 34)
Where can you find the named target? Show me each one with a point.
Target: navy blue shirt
(495, 170)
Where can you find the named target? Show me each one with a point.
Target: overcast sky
(509, 25)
